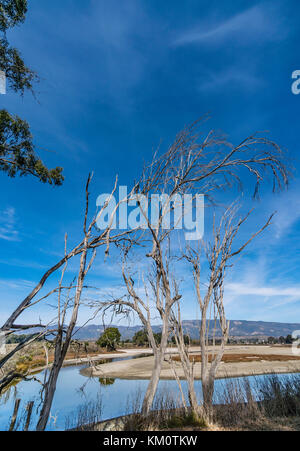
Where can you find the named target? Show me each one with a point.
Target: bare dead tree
(63, 338)
(219, 255)
(187, 364)
(209, 162)
(65, 333)
(193, 161)
(94, 242)
(191, 164)
(86, 250)
(90, 243)
(162, 299)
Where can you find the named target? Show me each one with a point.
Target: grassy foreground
(272, 403)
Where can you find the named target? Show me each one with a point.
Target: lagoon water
(74, 390)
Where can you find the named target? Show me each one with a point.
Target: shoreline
(81, 360)
(141, 369)
(182, 378)
(197, 378)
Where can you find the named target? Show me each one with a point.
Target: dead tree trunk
(187, 364)
(50, 386)
(63, 338)
(218, 255)
(159, 355)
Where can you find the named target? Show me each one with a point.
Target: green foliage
(157, 338)
(186, 340)
(12, 12)
(109, 339)
(140, 338)
(165, 419)
(18, 75)
(17, 154)
(187, 420)
(25, 358)
(13, 339)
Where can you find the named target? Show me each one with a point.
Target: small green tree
(140, 338)
(186, 340)
(157, 338)
(110, 339)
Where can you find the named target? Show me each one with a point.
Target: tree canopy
(17, 151)
(17, 154)
(12, 12)
(186, 340)
(110, 339)
(140, 338)
(18, 75)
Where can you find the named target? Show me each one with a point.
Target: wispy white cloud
(242, 289)
(8, 230)
(18, 263)
(108, 32)
(236, 76)
(256, 24)
(16, 284)
(288, 211)
(260, 290)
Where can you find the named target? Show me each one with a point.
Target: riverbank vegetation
(271, 403)
(40, 354)
(265, 404)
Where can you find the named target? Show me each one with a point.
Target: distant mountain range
(259, 329)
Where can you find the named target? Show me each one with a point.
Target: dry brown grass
(261, 424)
(37, 359)
(239, 358)
(270, 424)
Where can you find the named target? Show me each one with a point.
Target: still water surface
(74, 390)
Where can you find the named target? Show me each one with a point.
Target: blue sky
(117, 79)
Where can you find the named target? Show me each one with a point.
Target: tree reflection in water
(106, 381)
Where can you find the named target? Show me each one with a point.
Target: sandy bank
(142, 368)
(82, 360)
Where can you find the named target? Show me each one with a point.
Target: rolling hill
(238, 328)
